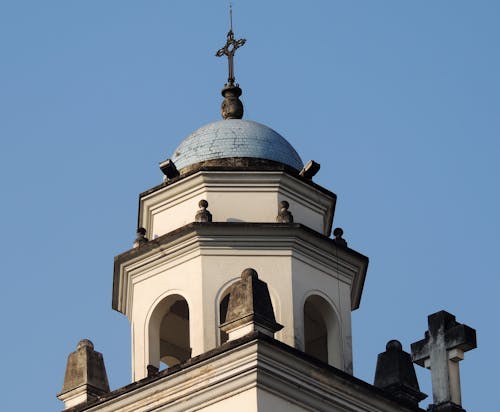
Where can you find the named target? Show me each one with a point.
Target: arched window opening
(174, 334)
(315, 332)
(222, 316)
(321, 331)
(169, 332)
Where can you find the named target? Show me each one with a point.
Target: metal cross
(230, 48)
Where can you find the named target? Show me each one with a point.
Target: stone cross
(443, 347)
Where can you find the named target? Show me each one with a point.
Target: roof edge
(237, 164)
(250, 339)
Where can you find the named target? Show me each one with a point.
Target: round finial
(394, 345)
(203, 215)
(249, 272)
(284, 215)
(339, 240)
(85, 343)
(141, 237)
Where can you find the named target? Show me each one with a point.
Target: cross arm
(461, 337)
(420, 350)
(221, 52)
(240, 42)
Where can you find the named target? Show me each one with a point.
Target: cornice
(212, 238)
(220, 179)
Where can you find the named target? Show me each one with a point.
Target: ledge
(248, 229)
(237, 164)
(321, 382)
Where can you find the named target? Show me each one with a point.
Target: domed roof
(235, 138)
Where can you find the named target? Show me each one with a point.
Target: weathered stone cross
(443, 347)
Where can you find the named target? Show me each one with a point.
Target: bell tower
(236, 195)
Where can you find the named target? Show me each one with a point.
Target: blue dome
(235, 138)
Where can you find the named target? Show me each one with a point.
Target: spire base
(231, 107)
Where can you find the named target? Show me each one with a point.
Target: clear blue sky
(398, 100)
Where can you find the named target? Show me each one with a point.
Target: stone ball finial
(141, 237)
(394, 345)
(284, 215)
(339, 240)
(249, 273)
(203, 215)
(85, 343)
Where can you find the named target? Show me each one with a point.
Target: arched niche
(322, 331)
(169, 341)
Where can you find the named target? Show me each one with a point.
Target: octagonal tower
(234, 198)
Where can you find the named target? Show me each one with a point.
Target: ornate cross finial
(230, 48)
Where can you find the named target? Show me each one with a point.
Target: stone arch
(168, 331)
(322, 336)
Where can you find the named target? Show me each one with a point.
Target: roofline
(254, 337)
(237, 164)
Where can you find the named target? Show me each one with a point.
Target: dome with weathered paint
(235, 138)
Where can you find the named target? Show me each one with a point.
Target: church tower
(236, 196)
(237, 296)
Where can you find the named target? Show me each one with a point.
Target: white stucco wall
(267, 401)
(235, 197)
(245, 401)
(200, 269)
